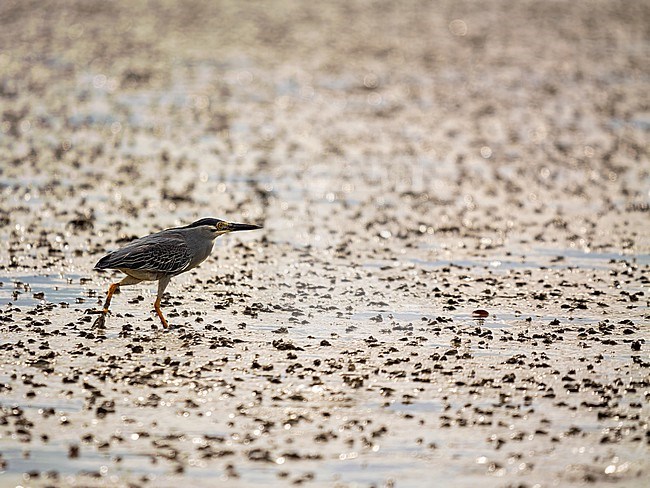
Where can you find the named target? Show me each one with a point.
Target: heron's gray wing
(159, 253)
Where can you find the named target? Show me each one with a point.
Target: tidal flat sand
(411, 162)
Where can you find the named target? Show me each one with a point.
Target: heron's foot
(167, 327)
(100, 322)
(163, 322)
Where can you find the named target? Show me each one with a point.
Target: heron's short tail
(104, 263)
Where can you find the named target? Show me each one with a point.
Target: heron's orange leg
(156, 305)
(111, 291)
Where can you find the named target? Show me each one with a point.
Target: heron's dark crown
(206, 221)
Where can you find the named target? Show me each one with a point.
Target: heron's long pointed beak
(233, 227)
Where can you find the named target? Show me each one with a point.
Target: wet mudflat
(451, 288)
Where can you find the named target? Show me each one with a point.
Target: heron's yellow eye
(221, 226)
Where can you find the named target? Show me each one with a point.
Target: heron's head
(217, 227)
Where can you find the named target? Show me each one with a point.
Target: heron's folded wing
(166, 254)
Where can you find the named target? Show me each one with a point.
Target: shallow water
(541, 258)
(32, 290)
